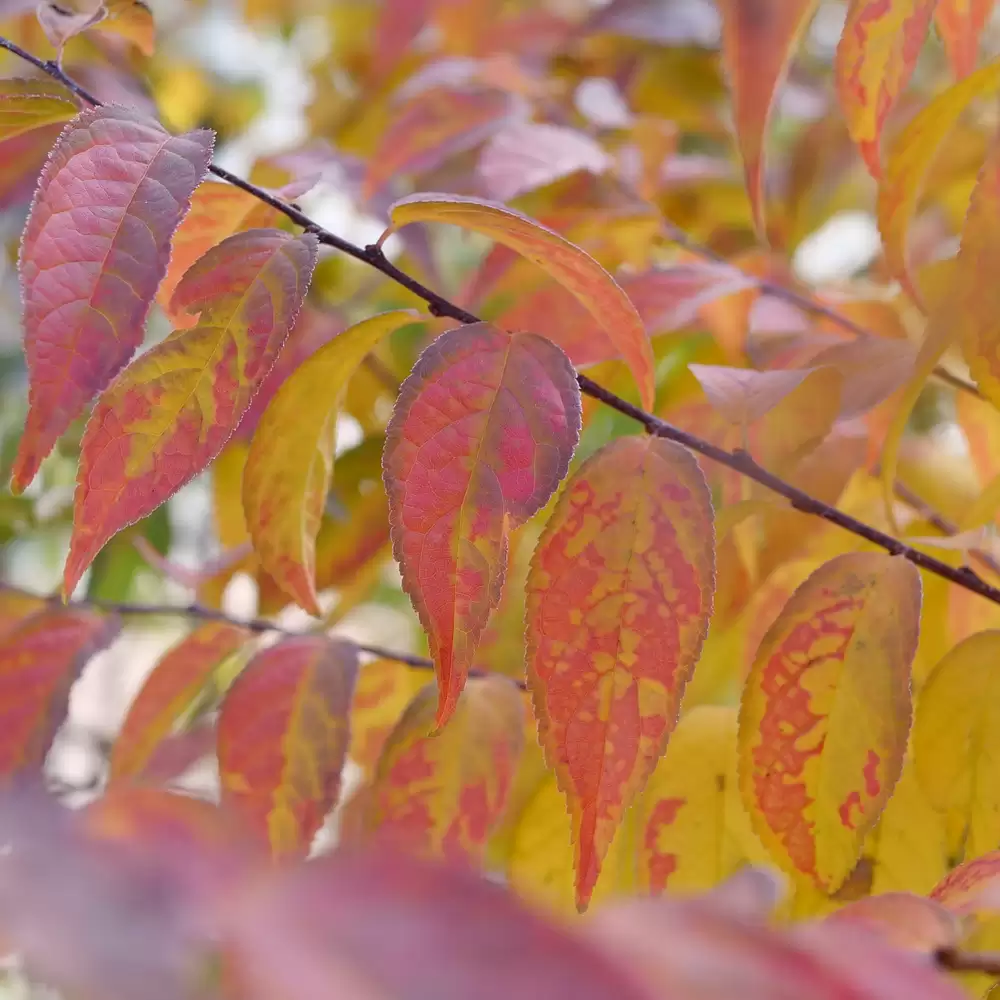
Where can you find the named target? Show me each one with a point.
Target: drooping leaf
(909, 161)
(966, 313)
(956, 741)
(30, 104)
(693, 830)
(217, 211)
(168, 691)
(283, 737)
(440, 796)
(573, 268)
(172, 411)
(960, 24)
(433, 126)
(382, 693)
(94, 249)
(131, 20)
(61, 23)
(617, 608)
(528, 155)
(290, 463)
(826, 711)
(758, 39)
(482, 433)
(40, 658)
(877, 54)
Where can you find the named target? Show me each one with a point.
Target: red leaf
(283, 737)
(169, 689)
(172, 411)
(95, 247)
(758, 38)
(482, 433)
(40, 658)
(617, 609)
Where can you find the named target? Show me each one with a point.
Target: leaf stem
(968, 961)
(738, 460)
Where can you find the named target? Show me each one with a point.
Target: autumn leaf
(167, 692)
(960, 24)
(133, 21)
(482, 434)
(528, 155)
(825, 713)
(61, 23)
(217, 211)
(693, 830)
(973, 887)
(953, 730)
(31, 104)
(15, 606)
(758, 39)
(433, 126)
(909, 161)
(877, 54)
(172, 411)
(95, 247)
(383, 691)
(567, 264)
(283, 736)
(40, 658)
(440, 796)
(290, 464)
(617, 607)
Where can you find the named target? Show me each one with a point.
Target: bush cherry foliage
(712, 630)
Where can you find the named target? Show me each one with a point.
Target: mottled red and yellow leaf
(290, 464)
(283, 737)
(440, 796)
(217, 211)
(909, 161)
(172, 411)
(483, 432)
(758, 39)
(40, 658)
(572, 267)
(693, 831)
(617, 608)
(94, 249)
(960, 24)
(877, 54)
(826, 711)
(168, 691)
(30, 104)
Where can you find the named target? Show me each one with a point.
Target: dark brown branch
(739, 461)
(968, 961)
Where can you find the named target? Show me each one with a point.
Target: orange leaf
(283, 736)
(758, 39)
(875, 58)
(89, 276)
(909, 161)
(572, 267)
(167, 692)
(173, 409)
(440, 796)
(826, 712)
(40, 658)
(482, 433)
(290, 464)
(217, 211)
(15, 606)
(618, 602)
(383, 690)
(960, 23)
(132, 20)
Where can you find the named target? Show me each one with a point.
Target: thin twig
(968, 961)
(804, 302)
(738, 460)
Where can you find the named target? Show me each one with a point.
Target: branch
(738, 460)
(968, 961)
